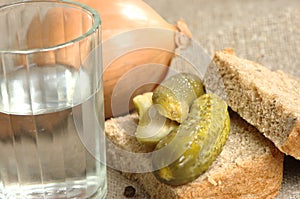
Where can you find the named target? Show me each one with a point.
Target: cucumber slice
(189, 150)
(152, 126)
(175, 95)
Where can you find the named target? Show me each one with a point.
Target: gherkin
(175, 95)
(189, 150)
(152, 126)
(142, 102)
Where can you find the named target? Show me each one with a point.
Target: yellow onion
(118, 16)
(133, 35)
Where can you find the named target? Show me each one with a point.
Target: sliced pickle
(152, 126)
(142, 102)
(175, 95)
(189, 150)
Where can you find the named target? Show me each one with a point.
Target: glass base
(81, 189)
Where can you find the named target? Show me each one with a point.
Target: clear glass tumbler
(52, 141)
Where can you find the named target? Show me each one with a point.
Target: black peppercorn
(129, 192)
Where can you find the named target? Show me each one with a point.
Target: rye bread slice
(249, 166)
(269, 100)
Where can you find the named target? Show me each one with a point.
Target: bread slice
(268, 100)
(249, 166)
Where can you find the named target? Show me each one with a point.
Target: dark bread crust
(268, 100)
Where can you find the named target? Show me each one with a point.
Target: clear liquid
(50, 125)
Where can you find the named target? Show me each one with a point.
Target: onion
(119, 16)
(138, 45)
(133, 35)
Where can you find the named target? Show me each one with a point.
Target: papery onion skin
(133, 35)
(118, 17)
(124, 15)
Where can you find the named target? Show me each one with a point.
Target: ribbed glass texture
(51, 101)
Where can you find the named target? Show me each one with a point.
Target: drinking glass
(52, 141)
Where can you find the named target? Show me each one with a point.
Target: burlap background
(266, 31)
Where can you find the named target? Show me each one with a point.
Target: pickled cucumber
(152, 126)
(189, 150)
(175, 95)
(142, 102)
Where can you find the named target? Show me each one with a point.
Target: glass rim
(96, 25)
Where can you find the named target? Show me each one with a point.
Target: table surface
(266, 31)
